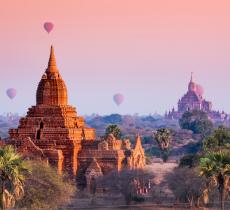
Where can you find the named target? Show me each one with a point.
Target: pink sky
(144, 49)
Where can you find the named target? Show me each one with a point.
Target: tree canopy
(163, 138)
(13, 170)
(113, 129)
(186, 185)
(219, 140)
(215, 163)
(126, 182)
(197, 121)
(45, 188)
(215, 166)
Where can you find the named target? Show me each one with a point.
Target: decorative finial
(191, 80)
(138, 138)
(52, 62)
(138, 141)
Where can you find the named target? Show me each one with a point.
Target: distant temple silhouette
(194, 100)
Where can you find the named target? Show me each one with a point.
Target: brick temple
(52, 130)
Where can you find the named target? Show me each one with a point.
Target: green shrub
(45, 188)
(189, 160)
(138, 199)
(148, 160)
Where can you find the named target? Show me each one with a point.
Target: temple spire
(52, 89)
(191, 80)
(52, 68)
(192, 84)
(138, 141)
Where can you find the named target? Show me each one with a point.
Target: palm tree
(113, 129)
(215, 166)
(12, 170)
(163, 138)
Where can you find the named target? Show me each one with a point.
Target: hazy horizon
(144, 49)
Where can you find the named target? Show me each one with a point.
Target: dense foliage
(126, 182)
(219, 140)
(153, 151)
(45, 188)
(113, 129)
(215, 166)
(215, 163)
(189, 160)
(163, 138)
(186, 185)
(112, 119)
(12, 171)
(197, 121)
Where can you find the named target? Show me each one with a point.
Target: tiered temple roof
(53, 130)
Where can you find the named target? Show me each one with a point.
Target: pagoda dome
(51, 89)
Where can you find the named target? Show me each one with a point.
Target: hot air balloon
(118, 98)
(48, 26)
(11, 93)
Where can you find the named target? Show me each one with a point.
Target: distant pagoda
(194, 100)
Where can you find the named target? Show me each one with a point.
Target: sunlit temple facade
(53, 131)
